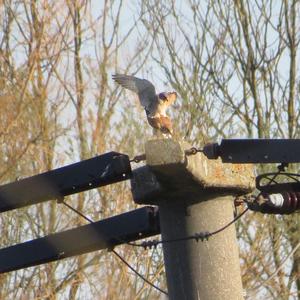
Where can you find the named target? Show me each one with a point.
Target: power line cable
(197, 236)
(114, 251)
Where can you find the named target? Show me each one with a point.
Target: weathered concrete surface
(203, 270)
(171, 174)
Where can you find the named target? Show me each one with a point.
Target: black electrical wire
(138, 274)
(114, 251)
(197, 236)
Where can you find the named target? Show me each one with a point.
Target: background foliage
(235, 67)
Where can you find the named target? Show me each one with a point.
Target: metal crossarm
(127, 227)
(255, 150)
(87, 174)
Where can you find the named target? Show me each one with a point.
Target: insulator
(279, 203)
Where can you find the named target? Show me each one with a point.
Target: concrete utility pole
(194, 195)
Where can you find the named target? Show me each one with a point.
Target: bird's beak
(172, 94)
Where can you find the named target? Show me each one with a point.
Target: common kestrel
(155, 105)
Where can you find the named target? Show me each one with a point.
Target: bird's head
(169, 97)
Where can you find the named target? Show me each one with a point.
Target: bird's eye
(162, 96)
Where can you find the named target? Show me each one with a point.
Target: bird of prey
(155, 105)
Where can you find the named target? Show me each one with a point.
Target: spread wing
(144, 88)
